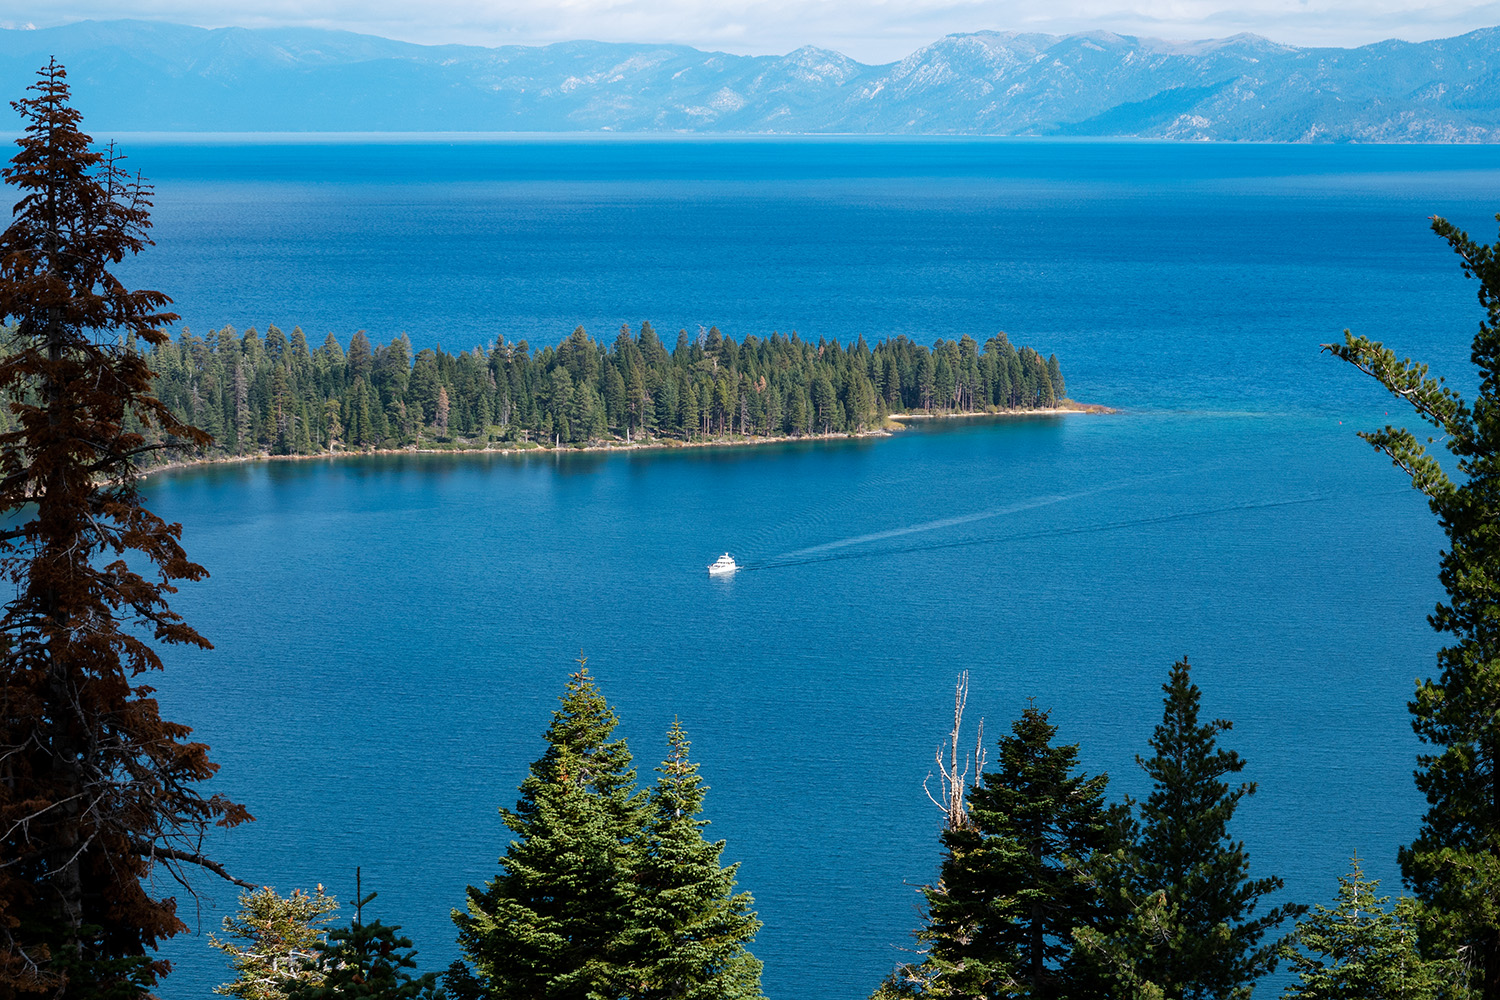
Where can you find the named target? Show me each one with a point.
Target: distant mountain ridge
(150, 76)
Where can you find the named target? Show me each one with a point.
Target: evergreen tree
(824, 401)
(773, 412)
(891, 382)
(361, 359)
(898, 986)
(1054, 376)
(664, 405)
(242, 414)
(364, 962)
(548, 926)
(863, 403)
(1360, 950)
(97, 788)
(638, 402)
(440, 413)
(689, 927)
(1014, 887)
(331, 418)
(1139, 925)
(1016, 378)
(926, 382)
(944, 381)
(284, 938)
(690, 415)
(1454, 864)
(303, 437)
(614, 398)
(1206, 943)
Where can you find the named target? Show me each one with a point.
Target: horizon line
(1178, 43)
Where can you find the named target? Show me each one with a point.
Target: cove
(392, 632)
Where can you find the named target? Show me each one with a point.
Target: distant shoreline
(892, 426)
(1070, 407)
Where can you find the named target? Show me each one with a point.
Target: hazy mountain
(135, 75)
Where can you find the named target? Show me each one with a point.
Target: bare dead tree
(952, 796)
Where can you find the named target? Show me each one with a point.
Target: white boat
(723, 565)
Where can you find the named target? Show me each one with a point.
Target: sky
(867, 30)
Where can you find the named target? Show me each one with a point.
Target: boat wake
(813, 553)
(830, 551)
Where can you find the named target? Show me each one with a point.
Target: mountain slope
(135, 75)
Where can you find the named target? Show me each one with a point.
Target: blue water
(391, 633)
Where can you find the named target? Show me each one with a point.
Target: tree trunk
(1491, 959)
(1036, 919)
(64, 867)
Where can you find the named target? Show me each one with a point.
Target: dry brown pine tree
(98, 793)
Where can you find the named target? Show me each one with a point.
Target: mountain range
(151, 76)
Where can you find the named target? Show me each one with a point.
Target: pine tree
(548, 926)
(614, 398)
(1208, 944)
(284, 937)
(1140, 923)
(361, 359)
(863, 403)
(689, 927)
(303, 440)
(1054, 375)
(926, 382)
(690, 413)
(824, 400)
(1360, 950)
(1014, 886)
(440, 413)
(243, 441)
(335, 428)
(638, 400)
(97, 789)
(1454, 864)
(364, 962)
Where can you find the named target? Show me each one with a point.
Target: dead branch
(953, 791)
(172, 854)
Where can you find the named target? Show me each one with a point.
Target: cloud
(870, 30)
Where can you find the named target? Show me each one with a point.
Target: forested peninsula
(275, 395)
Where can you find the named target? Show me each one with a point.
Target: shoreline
(1049, 412)
(892, 426)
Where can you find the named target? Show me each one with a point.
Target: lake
(392, 632)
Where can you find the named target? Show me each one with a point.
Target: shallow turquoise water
(391, 633)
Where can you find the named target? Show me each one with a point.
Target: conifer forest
(273, 394)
